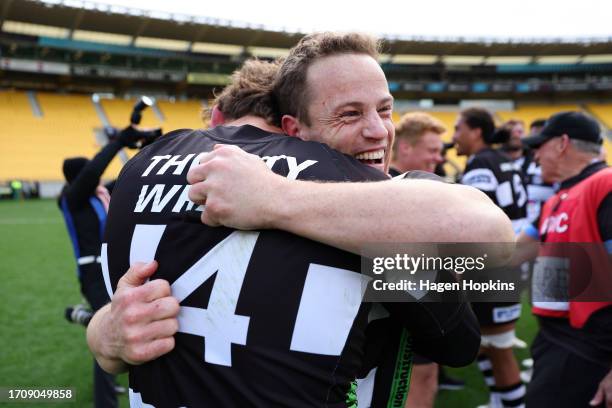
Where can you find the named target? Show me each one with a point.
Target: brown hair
(510, 124)
(249, 93)
(480, 118)
(290, 91)
(412, 126)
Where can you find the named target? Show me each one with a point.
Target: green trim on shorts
(400, 385)
(351, 395)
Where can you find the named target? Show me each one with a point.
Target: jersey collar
(585, 173)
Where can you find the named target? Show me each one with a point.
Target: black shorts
(561, 379)
(495, 314)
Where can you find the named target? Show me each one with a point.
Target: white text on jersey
(179, 164)
(157, 196)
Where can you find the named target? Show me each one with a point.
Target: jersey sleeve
(478, 174)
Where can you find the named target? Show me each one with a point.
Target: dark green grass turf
(40, 349)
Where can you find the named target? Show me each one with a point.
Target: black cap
(73, 166)
(576, 125)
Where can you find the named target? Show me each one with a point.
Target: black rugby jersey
(494, 173)
(537, 190)
(267, 318)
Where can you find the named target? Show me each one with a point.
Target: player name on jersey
(157, 197)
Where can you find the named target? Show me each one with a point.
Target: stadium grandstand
(68, 68)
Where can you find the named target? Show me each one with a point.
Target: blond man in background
(418, 143)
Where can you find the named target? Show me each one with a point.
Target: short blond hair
(412, 126)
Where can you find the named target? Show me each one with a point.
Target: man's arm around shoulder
(241, 192)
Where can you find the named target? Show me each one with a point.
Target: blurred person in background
(440, 168)
(84, 202)
(494, 173)
(538, 191)
(536, 126)
(573, 349)
(514, 146)
(418, 144)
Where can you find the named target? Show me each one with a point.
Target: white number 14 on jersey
(329, 303)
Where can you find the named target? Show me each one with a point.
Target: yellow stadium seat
(33, 148)
(603, 112)
(181, 115)
(529, 113)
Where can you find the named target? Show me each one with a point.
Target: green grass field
(41, 350)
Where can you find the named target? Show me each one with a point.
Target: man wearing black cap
(575, 336)
(84, 203)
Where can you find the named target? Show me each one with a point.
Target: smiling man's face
(350, 108)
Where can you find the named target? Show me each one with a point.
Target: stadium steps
(101, 137)
(34, 105)
(158, 113)
(100, 110)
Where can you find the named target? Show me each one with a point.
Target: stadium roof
(91, 16)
